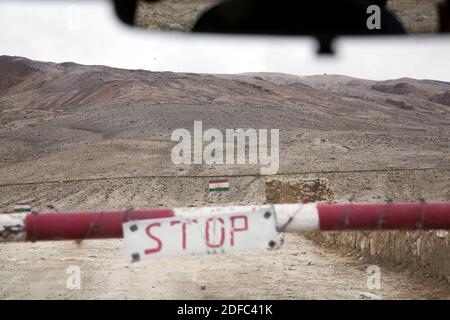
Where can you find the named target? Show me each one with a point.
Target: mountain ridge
(111, 121)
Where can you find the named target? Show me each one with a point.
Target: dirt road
(92, 137)
(300, 270)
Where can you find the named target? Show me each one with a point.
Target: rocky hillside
(61, 121)
(93, 137)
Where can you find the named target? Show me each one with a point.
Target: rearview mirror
(324, 20)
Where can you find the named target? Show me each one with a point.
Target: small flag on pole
(22, 207)
(219, 185)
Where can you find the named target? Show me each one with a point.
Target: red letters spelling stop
(238, 223)
(201, 233)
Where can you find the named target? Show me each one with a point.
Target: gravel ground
(99, 138)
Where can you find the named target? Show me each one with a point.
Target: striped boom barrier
(41, 226)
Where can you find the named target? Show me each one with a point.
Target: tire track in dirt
(300, 270)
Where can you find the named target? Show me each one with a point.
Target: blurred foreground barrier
(40, 226)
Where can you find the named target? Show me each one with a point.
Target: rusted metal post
(40, 226)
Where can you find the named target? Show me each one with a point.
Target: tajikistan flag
(22, 207)
(219, 185)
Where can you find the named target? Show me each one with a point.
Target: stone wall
(425, 251)
(285, 190)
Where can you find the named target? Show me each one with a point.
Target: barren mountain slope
(93, 137)
(67, 121)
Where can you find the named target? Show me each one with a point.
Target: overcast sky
(87, 32)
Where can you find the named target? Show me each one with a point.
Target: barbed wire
(221, 175)
(378, 223)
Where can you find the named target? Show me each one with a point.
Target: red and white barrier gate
(204, 230)
(40, 226)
